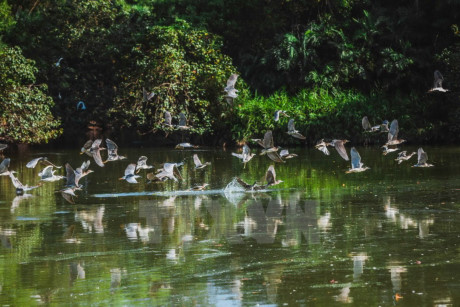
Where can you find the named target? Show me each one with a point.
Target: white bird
(269, 147)
(58, 63)
(292, 132)
(4, 167)
(437, 86)
(284, 154)
(93, 149)
(356, 165)
(42, 160)
(129, 174)
(387, 150)
(339, 146)
(142, 164)
(393, 134)
(182, 122)
(185, 145)
(278, 113)
(322, 146)
(169, 171)
(198, 164)
(47, 174)
(20, 188)
(403, 156)
(112, 151)
(422, 159)
(246, 156)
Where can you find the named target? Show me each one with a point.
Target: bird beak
(120, 178)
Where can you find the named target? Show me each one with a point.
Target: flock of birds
(170, 171)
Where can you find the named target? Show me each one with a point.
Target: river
(387, 236)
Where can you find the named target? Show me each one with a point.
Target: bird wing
(324, 150)
(112, 150)
(242, 183)
(438, 78)
(291, 127)
(34, 162)
(246, 150)
(17, 184)
(275, 156)
(168, 118)
(142, 161)
(70, 175)
(270, 176)
(144, 94)
(131, 179)
(3, 147)
(298, 136)
(130, 169)
(85, 165)
(96, 144)
(182, 119)
(284, 152)
(4, 165)
(277, 115)
(196, 160)
(97, 158)
(338, 144)
(239, 156)
(232, 81)
(422, 156)
(168, 168)
(394, 129)
(366, 124)
(402, 154)
(47, 172)
(268, 139)
(355, 158)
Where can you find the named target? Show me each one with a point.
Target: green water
(387, 236)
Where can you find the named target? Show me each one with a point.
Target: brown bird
(270, 149)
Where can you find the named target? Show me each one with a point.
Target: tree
(25, 109)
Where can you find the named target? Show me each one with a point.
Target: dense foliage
(25, 109)
(327, 62)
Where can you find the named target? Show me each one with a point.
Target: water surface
(388, 236)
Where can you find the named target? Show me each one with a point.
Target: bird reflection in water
(18, 200)
(359, 260)
(91, 220)
(344, 296)
(77, 271)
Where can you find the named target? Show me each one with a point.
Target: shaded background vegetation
(327, 63)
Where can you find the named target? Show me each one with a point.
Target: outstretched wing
(47, 172)
(355, 158)
(34, 162)
(231, 81)
(291, 127)
(112, 148)
(268, 139)
(142, 161)
(70, 175)
(130, 169)
(196, 160)
(277, 115)
(97, 158)
(394, 129)
(17, 184)
(168, 118)
(422, 156)
(270, 176)
(242, 183)
(338, 144)
(438, 78)
(4, 165)
(274, 156)
(182, 119)
(366, 124)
